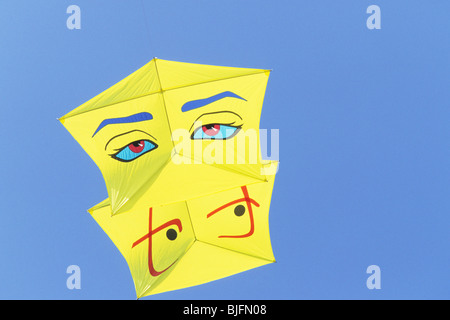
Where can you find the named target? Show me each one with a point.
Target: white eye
(215, 132)
(134, 150)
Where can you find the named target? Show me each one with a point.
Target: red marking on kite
(149, 235)
(249, 201)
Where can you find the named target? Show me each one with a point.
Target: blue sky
(364, 141)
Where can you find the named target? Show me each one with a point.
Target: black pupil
(171, 234)
(209, 126)
(137, 144)
(239, 210)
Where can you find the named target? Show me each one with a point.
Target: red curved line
(155, 273)
(176, 222)
(148, 236)
(249, 202)
(230, 204)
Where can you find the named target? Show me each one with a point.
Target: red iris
(211, 129)
(137, 146)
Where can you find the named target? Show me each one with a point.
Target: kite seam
(247, 254)
(159, 91)
(164, 100)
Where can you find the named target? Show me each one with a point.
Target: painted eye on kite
(134, 150)
(215, 132)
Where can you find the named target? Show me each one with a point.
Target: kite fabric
(189, 193)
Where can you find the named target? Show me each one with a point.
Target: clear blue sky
(364, 133)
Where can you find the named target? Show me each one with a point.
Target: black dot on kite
(171, 234)
(239, 210)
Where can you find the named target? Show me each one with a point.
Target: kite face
(178, 147)
(195, 241)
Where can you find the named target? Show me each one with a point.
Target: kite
(189, 192)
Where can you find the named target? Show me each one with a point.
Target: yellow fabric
(199, 253)
(174, 180)
(142, 91)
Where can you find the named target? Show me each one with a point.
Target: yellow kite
(189, 193)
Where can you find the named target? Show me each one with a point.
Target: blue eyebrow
(138, 117)
(194, 104)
